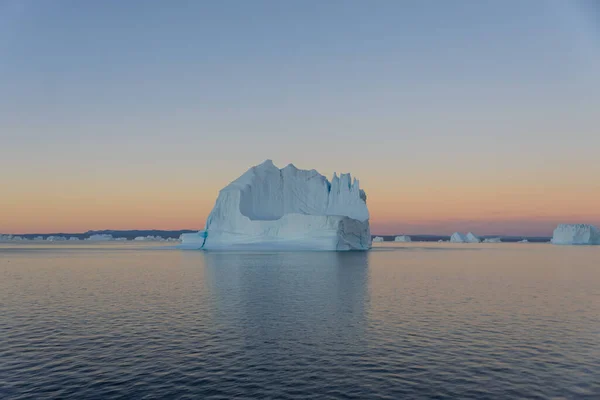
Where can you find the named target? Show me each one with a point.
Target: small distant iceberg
(458, 237)
(523, 241)
(377, 239)
(149, 238)
(576, 234)
(73, 238)
(492, 240)
(100, 238)
(402, 238)
(472, 238)
(56, 238)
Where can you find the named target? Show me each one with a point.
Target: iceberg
(402, 238)
(56, 238)
(471, 238)
(149, 238)
(492, 240)
(458, 237)
(523, 241)
(576, 234)
(378, 239)
(288, 208)
(100, 238)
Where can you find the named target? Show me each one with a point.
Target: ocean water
(418, 321)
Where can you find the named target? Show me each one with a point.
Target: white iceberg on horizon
(458, 237)
(377, 239)
(471, 238)
(402, 238)
(288, 208)
(56, 238)
(100, 238)
(492, 240)
(576, 234)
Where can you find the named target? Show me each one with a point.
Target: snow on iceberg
(288, 208)
(402, 238)
(576, 234)
(378, 239)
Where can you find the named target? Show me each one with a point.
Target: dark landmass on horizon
(132, 234)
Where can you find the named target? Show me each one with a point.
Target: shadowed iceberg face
(286, 209)
(576, 234)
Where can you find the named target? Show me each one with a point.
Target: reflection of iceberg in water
(284, 299)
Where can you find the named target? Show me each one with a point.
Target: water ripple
(383, 325)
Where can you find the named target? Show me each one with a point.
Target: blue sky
(407, 95)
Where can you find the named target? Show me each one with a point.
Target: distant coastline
(174, 234)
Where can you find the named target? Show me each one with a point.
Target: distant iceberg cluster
(576, 234)
(402, 238)
(150, 238)
(288, 208)
(10, 238)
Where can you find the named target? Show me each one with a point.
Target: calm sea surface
(488, 321)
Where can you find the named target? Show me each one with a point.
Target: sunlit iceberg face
(288, 208)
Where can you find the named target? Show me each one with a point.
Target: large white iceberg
(288, 208)
(580, 234)
(402, 238)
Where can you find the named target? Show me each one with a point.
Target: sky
(454, 115)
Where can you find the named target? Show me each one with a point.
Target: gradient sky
(455, 115)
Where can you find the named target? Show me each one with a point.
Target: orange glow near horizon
(412, 209)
